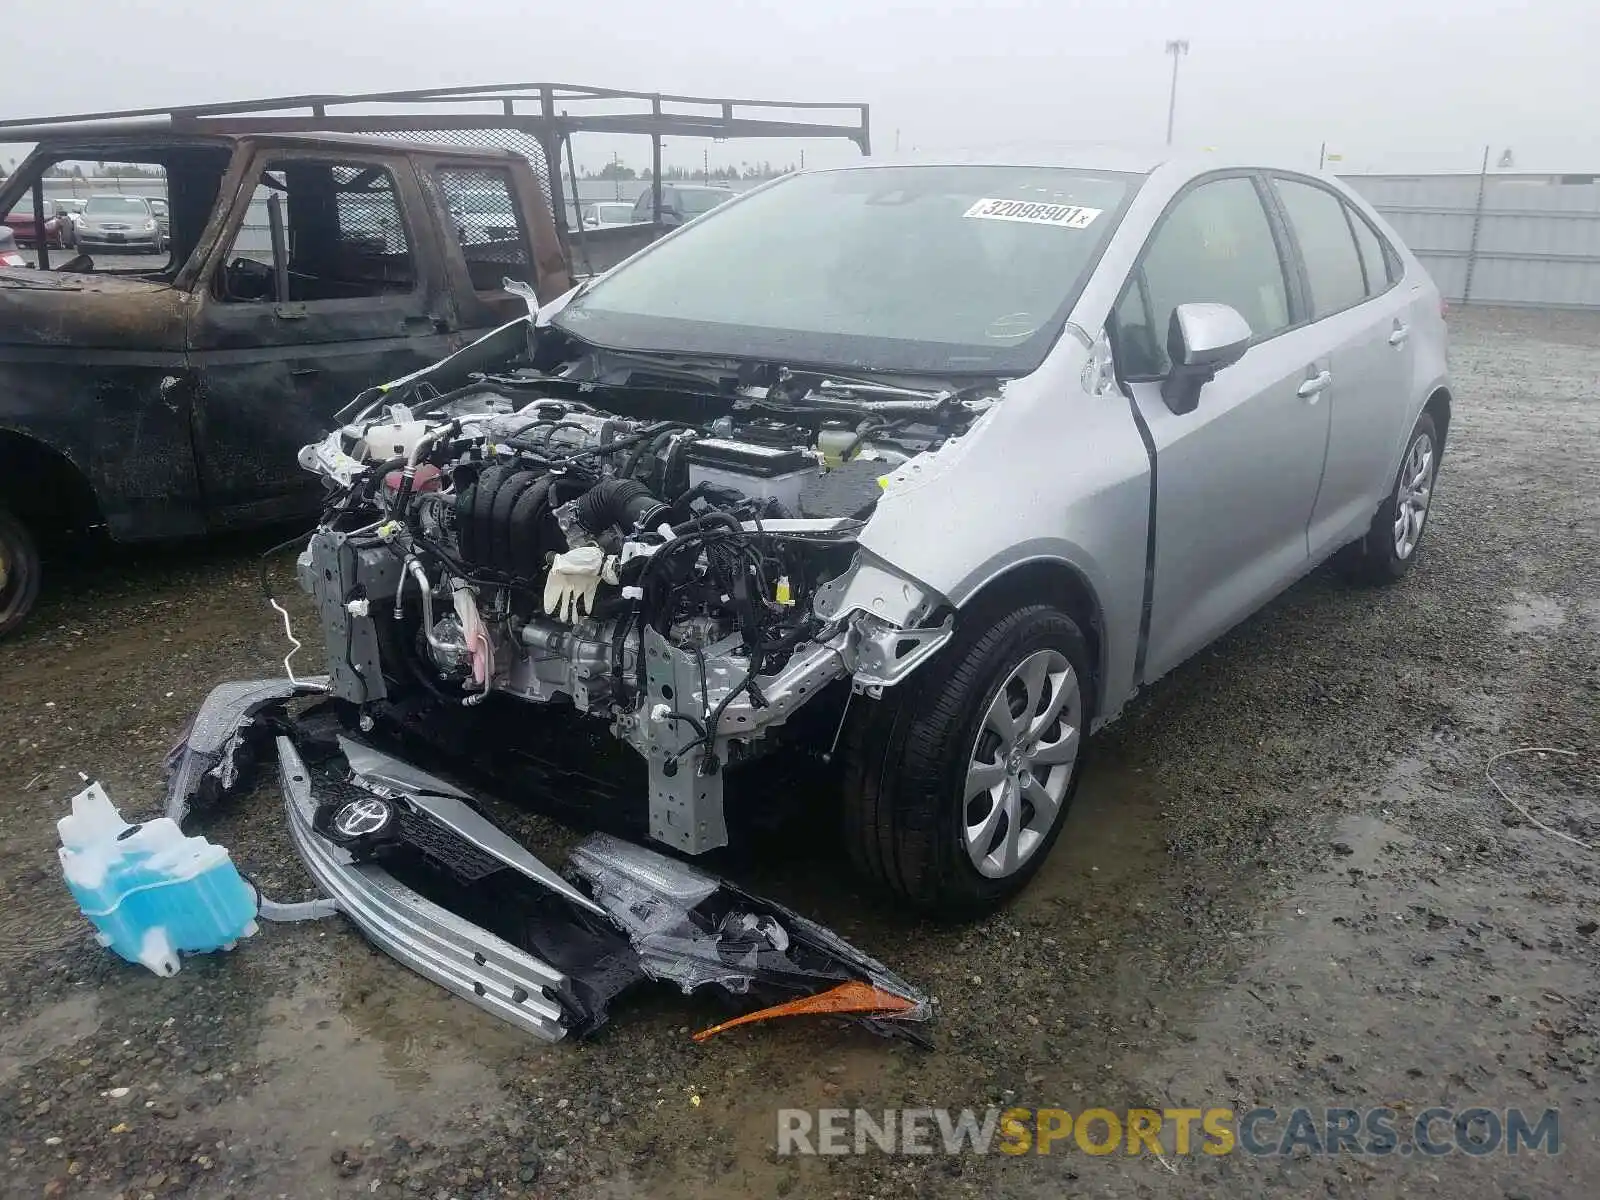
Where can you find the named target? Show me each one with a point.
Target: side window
(1373, 260)
(343, 235)
(641, 206)
(1214, 245)
(1333, 268)
(1139, 347)
(487, 220)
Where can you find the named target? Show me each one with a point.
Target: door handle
(1400, 334)
(1313, 387)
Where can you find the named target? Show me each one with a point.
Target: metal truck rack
(535, 119)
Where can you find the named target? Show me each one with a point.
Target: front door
(1236, 478)
(282, 338)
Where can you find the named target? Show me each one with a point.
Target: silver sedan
(1211, 378)
(1058, 425)
(118, 222)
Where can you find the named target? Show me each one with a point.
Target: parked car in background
(10, 256)
(484, 215)
(163, 219)
(607, 212)
(26, 230)
(116, 222)
(681, 202)
(68, 214)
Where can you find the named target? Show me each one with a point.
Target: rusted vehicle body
(170, 400)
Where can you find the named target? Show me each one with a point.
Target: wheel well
(1438, 407)
(1052, 580)
(42, 486)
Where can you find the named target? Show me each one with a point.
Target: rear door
(1355, 301)
(1236, 478)
(366, 302)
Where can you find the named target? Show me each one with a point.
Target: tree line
(620, 170)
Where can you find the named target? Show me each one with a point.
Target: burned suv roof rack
(545, 114)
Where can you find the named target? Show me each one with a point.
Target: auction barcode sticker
(1070, 216)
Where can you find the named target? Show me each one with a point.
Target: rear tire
(1393, 541)
(921, 817)
(20, 572)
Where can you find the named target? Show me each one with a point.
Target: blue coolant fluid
(149, 890)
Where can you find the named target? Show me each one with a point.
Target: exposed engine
(657, 573)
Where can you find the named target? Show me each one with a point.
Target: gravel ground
(1287, 881)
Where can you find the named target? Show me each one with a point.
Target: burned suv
(867, 460)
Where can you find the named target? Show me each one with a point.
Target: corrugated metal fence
(1499, 238)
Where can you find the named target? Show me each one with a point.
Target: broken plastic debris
(855, 997)
(216, 749)
(693, 929)
(148, 890)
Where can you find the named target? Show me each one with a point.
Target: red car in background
(9, 257)
(24, 228)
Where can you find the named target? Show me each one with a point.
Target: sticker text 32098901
(1031, 212)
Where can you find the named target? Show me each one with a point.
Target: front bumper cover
(434, 942)
(544, 951)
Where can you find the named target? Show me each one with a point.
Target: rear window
(695, 201)
(487, 226)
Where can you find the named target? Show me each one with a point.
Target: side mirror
(1202, 339)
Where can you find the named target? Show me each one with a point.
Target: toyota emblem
(360, 818)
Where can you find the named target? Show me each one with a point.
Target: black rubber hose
(717, 517)
(625, 503)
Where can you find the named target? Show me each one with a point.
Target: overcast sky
(1390, 86)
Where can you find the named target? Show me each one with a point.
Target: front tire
(958, 781)
(1390, 546)
(19, 572)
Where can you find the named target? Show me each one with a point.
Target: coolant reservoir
(383, 442)
(834, 440)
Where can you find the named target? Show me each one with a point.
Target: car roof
(1081, 156)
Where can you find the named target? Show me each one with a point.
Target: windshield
(944, 270)
(116, 206)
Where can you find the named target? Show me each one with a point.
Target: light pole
(1177, 47)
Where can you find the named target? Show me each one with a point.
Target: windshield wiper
(791, 389)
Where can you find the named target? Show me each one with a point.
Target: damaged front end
(669, 548)
(418, 867)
